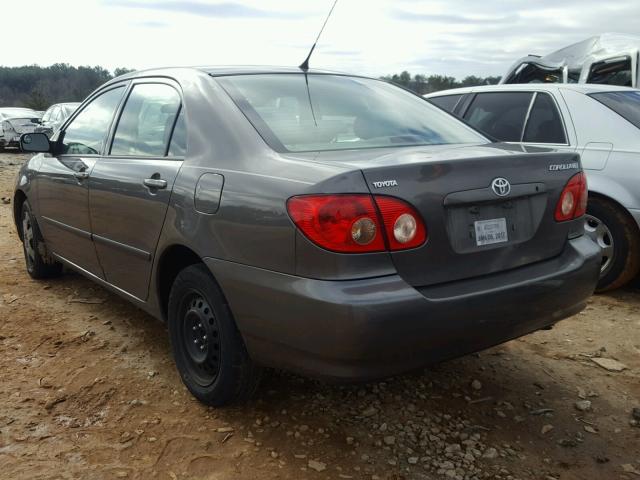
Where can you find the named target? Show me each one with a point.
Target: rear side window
(545, 123)
(147, 120)
(501, 115)
(446, 102)
(615, 71)
(178, 145)
(625, 104)
(87, 133)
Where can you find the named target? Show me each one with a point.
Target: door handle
(81, 175)
(155, 183)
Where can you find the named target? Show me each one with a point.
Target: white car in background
(602, 123)
(609, 58)
(55, 116)
(14, 122)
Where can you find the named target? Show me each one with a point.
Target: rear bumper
(371, 328)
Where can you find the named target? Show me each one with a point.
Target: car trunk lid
(487, 208)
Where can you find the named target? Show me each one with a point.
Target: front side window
(147, 120)
(545, 123)
(615, 71)
(626, 104)
(87, 133)
(296, 112)
(500, 115)
(446, 102)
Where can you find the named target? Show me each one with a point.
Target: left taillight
(573, 199)
(357, 223)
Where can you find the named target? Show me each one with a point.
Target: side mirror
(36, 120)
(34, 142)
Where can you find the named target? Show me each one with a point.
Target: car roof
(584, 88)
(15, 109)
(227, 70)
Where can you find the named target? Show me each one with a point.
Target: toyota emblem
(501, 187)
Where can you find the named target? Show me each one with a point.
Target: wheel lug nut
(195, 341)
(194, 328)
(204, 337)
(201, 347)
(200, 325)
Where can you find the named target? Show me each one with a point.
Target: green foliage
(422, 84)
(39, 87)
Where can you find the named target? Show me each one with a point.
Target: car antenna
(304, 66)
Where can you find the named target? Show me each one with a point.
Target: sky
(374, 37)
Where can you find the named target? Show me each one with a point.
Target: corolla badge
(501, 186)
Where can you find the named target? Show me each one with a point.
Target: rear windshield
(625, 104)
(298, 113)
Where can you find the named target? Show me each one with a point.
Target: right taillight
(573, 199)
(357, 223)
(403, 226)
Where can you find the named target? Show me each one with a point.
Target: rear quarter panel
(251, 226)
(617, 176)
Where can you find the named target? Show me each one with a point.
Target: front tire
(618, 237)
(39, 264)
(209, 352)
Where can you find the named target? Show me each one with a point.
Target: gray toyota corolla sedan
(327, 224)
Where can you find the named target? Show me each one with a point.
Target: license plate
(491, 231)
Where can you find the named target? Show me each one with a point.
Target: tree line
(39, 87)
(422, 84)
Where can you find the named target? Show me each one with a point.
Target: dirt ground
(88, 390)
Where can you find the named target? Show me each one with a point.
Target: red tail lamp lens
(357, 223)
(340, 223)
(403, 225)
(573, 199)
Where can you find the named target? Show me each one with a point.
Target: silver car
(55, 116)
(14, 122)
(602, 123)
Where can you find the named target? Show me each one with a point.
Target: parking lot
(88, 383)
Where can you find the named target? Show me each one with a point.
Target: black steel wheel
(201, 338)
(208, 349)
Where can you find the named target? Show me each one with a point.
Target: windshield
(625, 104)
(67, 110)
(338, 113)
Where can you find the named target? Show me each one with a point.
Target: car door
(131, 185)
(63, 195)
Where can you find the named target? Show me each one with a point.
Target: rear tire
(38, 261)
(208, 349)
(618, 236)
